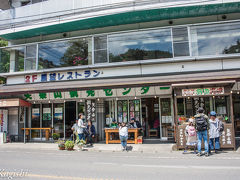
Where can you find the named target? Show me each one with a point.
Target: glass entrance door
(150, 118)
(166, 119)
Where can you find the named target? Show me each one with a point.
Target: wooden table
(108, 131)
(47, 131)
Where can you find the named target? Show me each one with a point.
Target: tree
(76, 54)
(4, 63)
(233, 49)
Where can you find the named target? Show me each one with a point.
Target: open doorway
(70, 117)
(150, 118)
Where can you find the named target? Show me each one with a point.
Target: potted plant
(80, 144)
(69, 145)
(56, 136)
(61, 144)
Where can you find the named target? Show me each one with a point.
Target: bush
(56, 136)
(69, 145)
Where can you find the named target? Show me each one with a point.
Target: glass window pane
(35, 122)
(30, 64)
(215, 39)
(58, 115)
(181, 49)
(19, 59)
(17, 55)
(155, 44)
(100, 42)
(31, 51)
(47, 115)
(180, 34)
(180, 42)
(4, 61)
(63, 54)
(100, 56)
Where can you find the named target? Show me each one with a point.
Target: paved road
(51, 164)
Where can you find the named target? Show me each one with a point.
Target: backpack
(201, 123)
(191, 131)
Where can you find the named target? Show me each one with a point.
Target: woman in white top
(123, 134)
(80, 128)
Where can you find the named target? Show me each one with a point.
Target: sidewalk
(98, 147)
(142, 148)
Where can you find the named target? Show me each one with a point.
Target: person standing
(214, 132)
(91, 132)
(123, 134)
(202, 126)
(81, 128)
(191, 136)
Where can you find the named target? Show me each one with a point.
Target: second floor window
(144, 45)
(63, 54)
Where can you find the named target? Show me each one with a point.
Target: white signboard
(104, 93)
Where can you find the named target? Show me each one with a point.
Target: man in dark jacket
(202, 126)
(91, 132)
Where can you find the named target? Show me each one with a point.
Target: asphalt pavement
(78, 165)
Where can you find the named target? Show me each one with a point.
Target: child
(216, 128)
(123, 134)
(191, 136)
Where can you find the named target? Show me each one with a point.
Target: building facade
(154, 61)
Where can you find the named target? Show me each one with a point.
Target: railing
(40, 13)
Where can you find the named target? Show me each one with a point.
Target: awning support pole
(24, 134)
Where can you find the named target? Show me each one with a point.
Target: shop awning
(13, 103)
(132, 17)
(202, 78)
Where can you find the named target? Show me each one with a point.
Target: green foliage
(80, 142)
(4, 60)
(77, 49)
(69, 144)
(3, 43)
(56, 136)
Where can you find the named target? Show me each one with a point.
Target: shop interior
(153, 113)
(187, 107)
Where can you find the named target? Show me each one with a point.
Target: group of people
(84, 132)
(201, 127)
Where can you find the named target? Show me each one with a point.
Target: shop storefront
(14, 118)
(152, 106)
(218, 98)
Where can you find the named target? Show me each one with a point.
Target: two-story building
(156, 61)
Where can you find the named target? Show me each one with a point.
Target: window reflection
(4, 61)
(63, 54)
(180, 41)
(215, 39)
(100, 49)
(140, 46)
(30, 57)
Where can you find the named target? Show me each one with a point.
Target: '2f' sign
(31, 78)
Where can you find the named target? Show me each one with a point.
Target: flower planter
(61, 148)
(69, 149)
